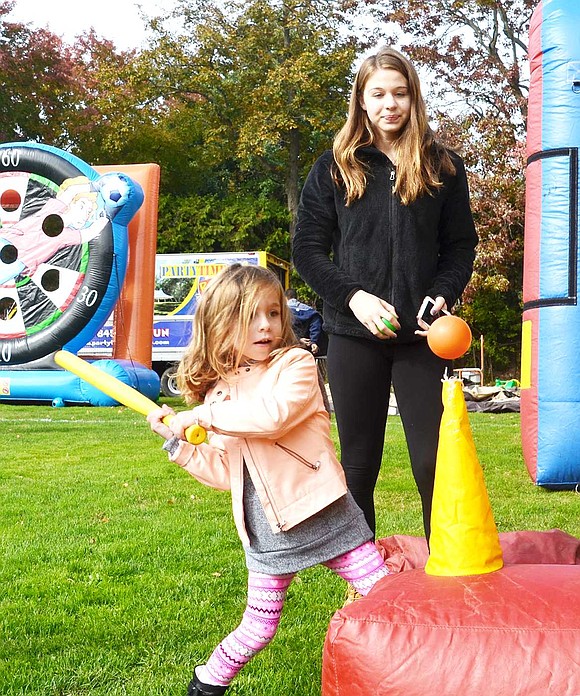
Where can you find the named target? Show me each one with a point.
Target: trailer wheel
(169, 383)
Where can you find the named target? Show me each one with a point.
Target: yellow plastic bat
(118, 390)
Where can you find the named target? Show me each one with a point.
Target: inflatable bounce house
(550, 388)
(76, 242)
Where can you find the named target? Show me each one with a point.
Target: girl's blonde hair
(420, 159)
(221, 322)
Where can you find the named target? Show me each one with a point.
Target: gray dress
(338, 528)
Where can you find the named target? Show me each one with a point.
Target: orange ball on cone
(449, 337)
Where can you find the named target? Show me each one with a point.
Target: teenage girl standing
(269, 443)
(384, 221)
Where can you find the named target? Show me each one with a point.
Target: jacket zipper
(392, 222)
(311, 465)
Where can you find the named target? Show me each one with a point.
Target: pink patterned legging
(361, 567)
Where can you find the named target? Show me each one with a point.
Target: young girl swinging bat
(269, 444)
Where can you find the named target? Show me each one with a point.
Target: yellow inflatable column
(464, 538)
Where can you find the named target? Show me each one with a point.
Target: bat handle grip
(194, 434)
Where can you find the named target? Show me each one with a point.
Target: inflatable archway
(550, 395)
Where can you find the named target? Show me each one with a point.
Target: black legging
(360, 373)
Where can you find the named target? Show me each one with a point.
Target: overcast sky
(117, 20)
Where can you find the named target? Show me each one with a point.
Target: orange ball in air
(449, 337)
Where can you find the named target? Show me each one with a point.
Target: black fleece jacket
(399, 253)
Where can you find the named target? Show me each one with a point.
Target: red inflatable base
(513, 632)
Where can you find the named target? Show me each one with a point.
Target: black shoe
(198, 688)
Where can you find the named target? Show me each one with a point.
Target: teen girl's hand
(373, 312)
(155, 420)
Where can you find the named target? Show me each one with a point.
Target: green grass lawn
(119, 572)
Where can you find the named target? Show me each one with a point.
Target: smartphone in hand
(424, 314)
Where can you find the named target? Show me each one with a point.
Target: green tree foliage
(210, 222)
(272, 78)
(472, 54)
(122, 119)
(90, 99)
(38, 83)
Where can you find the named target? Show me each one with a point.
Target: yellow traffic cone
(464, 538)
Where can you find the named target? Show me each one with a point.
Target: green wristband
(388, 324)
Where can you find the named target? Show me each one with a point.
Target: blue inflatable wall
(550, 396)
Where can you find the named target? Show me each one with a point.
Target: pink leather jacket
(272, 417)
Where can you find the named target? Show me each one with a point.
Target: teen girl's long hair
(221, 322)
(420, 158)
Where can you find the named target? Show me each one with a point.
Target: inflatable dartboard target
(62, 258)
